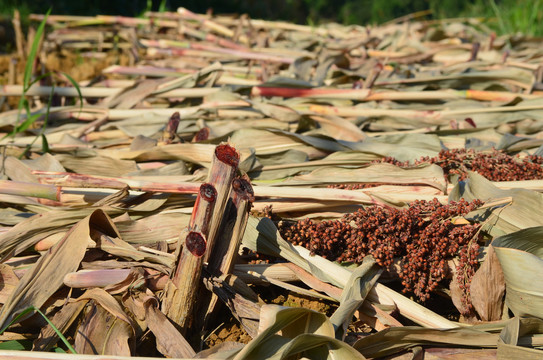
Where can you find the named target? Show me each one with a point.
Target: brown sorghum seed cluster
(252, 257)
(356, 186)
(465, 270)
(494, 165)
(423, 236)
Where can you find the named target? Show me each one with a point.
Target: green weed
(163, 7)
(30, 118)
(28, 310)
(513, 17)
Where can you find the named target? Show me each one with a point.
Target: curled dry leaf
(487, 288)
(516, 334)
(46, 276)
(354, 293)
(8, 282)
(169, 340)
(62, 320)
(302, 331)
(106, 328)
(102, 333)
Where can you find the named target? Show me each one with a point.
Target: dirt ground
(231, 331)
(84, 67)
(78, 66)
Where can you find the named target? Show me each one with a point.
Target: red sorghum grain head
(422, 236)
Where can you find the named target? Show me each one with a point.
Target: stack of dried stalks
(124, 227)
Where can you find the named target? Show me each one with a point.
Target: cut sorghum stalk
(224, 166)
(181, 290)
(232, 228)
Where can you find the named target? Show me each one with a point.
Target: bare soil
(81, 67)
(231, 331)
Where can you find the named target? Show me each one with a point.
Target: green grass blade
(23, 102)
(39, 77)
(532, 22)
(24, 125)
(45, 144)
(76, 86)
(19, 316)
(19, 345)
(60, 335)
(33, 51)
(31, 309)
(162, 7)
(505, 29)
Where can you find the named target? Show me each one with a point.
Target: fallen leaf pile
(333, 133)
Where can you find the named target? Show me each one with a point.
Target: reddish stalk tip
(242, 186)
(470, 121)
(173, 122)
(201, 135)
(208, 192)
(227, 154)
(196, 244)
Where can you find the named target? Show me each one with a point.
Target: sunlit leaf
(521, 257)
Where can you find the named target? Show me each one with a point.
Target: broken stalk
(180, 292)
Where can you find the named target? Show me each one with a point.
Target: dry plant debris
(411, 150)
